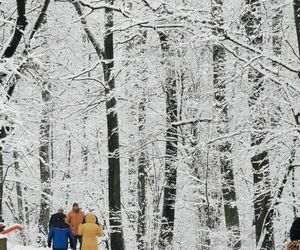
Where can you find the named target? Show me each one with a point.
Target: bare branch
(89, 33)
(262, 69)
(257, 51)
(84, 71)
(15, 40)
(40, 19)
(105, 6)
(182, 123)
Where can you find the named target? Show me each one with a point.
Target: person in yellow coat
(89, 230)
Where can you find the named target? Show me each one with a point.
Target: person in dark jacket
(54, 217)
(59, 233)
(294, 235)
(295, 229)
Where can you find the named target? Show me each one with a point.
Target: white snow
(18, 247)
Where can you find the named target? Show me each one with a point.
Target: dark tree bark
(142, 163)
(46, 142)
(1, 184)
(224, 148)
(297, 21)
(19, 192)
(18, 31)
(26, 208)
(44, 154)
(9, 52)
(67, 175)
(263, 219)
(276, 27)
(115, 216)
(169, 194)
(296, 4)
(40, 19)
(84, 147)
(13, 45)
(132, 189)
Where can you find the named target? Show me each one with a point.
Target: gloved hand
(49, 244)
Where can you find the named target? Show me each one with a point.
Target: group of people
(75, 227)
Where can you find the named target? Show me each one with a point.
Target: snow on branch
(87, 30)
(263, 70)
(40, 19)
(85, 71)
(194, 121)
(105, 6)
(15, 40)
(151, 7)
(257, 51)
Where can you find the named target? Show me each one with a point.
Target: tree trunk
(224, 148)
(26, 208)
(67, 175)
(297, 21)
(263, 219)
(45, 172)
(115, 216)
(84, 147)
(169, 194)
(142, 163)
(10, 50)
(276, 27)
(46, 147)
(132, 191)
(1, 184)
(19, 196)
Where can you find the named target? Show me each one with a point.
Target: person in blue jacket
(59, 233)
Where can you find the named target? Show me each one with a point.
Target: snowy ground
(10, 247)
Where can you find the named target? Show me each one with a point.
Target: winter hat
(61, 217)
(60, 221)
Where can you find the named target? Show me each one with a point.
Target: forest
(177, 122)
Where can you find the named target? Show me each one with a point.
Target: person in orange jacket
(89, 231)
(74, 218)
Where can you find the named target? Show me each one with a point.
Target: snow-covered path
(10, 247)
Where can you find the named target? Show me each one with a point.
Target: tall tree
(67, 175)
(107, 57)
(276, 27)
(46, 140)
(142, 163)
(44, 154)
(169, 194)
(19, 191)
(296, 4)
(84, 146)
(115, 216)
(263, 220)
(222, 121)
(9, 52)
